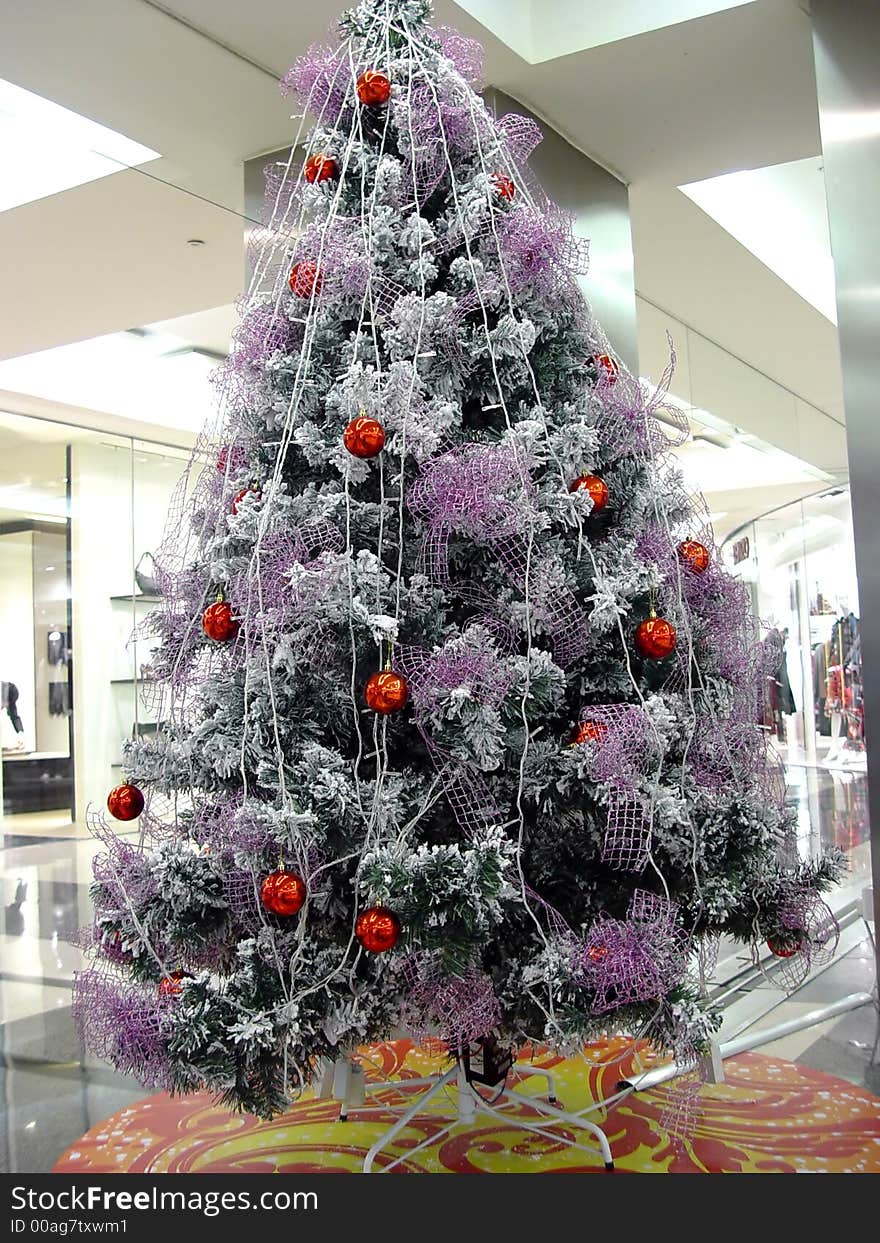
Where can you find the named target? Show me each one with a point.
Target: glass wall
(799, 562)
(79, 531)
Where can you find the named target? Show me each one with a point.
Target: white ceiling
(196, 81)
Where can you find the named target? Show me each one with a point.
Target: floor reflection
(53, 1092)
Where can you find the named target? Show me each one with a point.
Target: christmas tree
(461, 715)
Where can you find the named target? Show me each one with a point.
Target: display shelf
(130, 681)
(138, 598)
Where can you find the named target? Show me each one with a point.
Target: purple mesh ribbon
(125, 1024)
(639, 959)
(465, 54)
(459, 664)
(619, 757)
(455, 1009)
(540, 251)
(484, 493)
(813, 925)
(319, 81)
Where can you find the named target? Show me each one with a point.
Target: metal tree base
(469, 1103)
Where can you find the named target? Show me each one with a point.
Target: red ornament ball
(172, 985)
(319, 167)
(588, 731)
(596, 487)
(305, 277)
(694, 554)
(655, 638)
(125, 802)
(386, 692)
(604, 366)
(781, 949)
(283, 893)
(364, 437)
(377, 929)
(504, 186)
(373, 88)
(597, 953)
(239, 497)
(218, 622)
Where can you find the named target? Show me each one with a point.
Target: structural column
(846, 46)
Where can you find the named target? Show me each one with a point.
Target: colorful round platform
(769, 1116)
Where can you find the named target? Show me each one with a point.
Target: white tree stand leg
(469, 1103)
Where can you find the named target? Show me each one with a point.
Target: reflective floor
(53, 1092)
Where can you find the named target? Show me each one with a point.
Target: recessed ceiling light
(45, 148)
(151, 377)
(537, 30)
(779, 213)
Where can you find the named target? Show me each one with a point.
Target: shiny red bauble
(239, 497)
(218, 622)
(172, 985)
(605, 367)
(588, 731)
(656, 638)
(125, 802)
(373, 88)
(304, 278)
(319, 167)
(781, 950)
(283, 893)
(694, 554)
(364, 437)
(597, 953)
(597, 489)
(377, 929)
(504, 186)
(386, 692)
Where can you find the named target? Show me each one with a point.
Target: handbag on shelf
(145, 574)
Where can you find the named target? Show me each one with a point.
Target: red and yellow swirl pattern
(769, 1115)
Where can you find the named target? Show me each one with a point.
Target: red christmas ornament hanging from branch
(596, 488)
(603, 367)
(656, 638)
(283, 893)
(305, 276)
(694, 555)
(125, 802)
(319, 167)
(239, 497)
(783, 949)
(172, 985)
(218, 622)
(503, 186)
(364, 437)
(377, 929)
(386, 692)
(373, 88)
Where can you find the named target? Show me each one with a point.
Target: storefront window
(799, 561)
(80, 530)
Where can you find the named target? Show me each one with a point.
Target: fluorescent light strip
(780, 215)
(45, 148)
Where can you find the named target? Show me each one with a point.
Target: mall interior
(723, 159)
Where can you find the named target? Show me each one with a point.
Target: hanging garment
(56, 647)
(59, 699)
(787, 704)
(9, 701)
